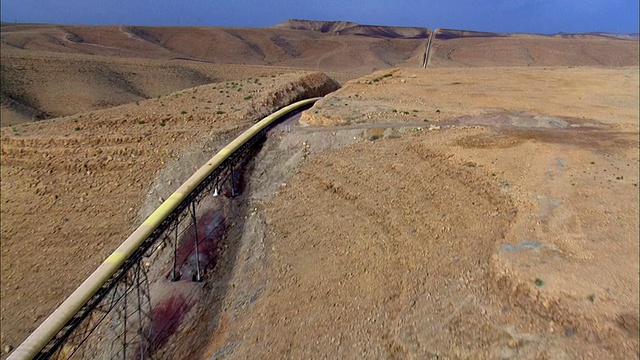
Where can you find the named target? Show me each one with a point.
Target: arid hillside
(456, 48)
(349, 28)
(70, 181)
(58, 70)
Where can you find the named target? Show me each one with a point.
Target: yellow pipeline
(31, 346)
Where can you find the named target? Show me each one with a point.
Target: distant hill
(633, 37)
(74, 68)
(56, 70)
(456, 48)
(349, 28)
(313, 25)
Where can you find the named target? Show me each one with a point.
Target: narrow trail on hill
(326, 55)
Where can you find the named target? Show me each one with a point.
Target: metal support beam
(175, 276)
(197, 276)
(232, 180)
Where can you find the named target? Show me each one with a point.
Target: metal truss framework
(117, 320)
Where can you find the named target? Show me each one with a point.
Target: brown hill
(58, 70)
(455, 48)
(349, 28)
(320, 26)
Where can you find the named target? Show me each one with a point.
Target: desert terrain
(54, 70)
(483, 207)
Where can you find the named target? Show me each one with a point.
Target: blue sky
(537, 16)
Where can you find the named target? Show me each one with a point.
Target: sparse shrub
(183, 112)
(437, 111)
(162, 123)
(219, 112)
(77, 128)
(140, 122)
(394, 111)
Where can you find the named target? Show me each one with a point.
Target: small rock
(513, 343)
(568, 332)
(7, 349)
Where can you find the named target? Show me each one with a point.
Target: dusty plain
(481, 208)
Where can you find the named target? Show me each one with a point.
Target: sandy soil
(511, 236)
